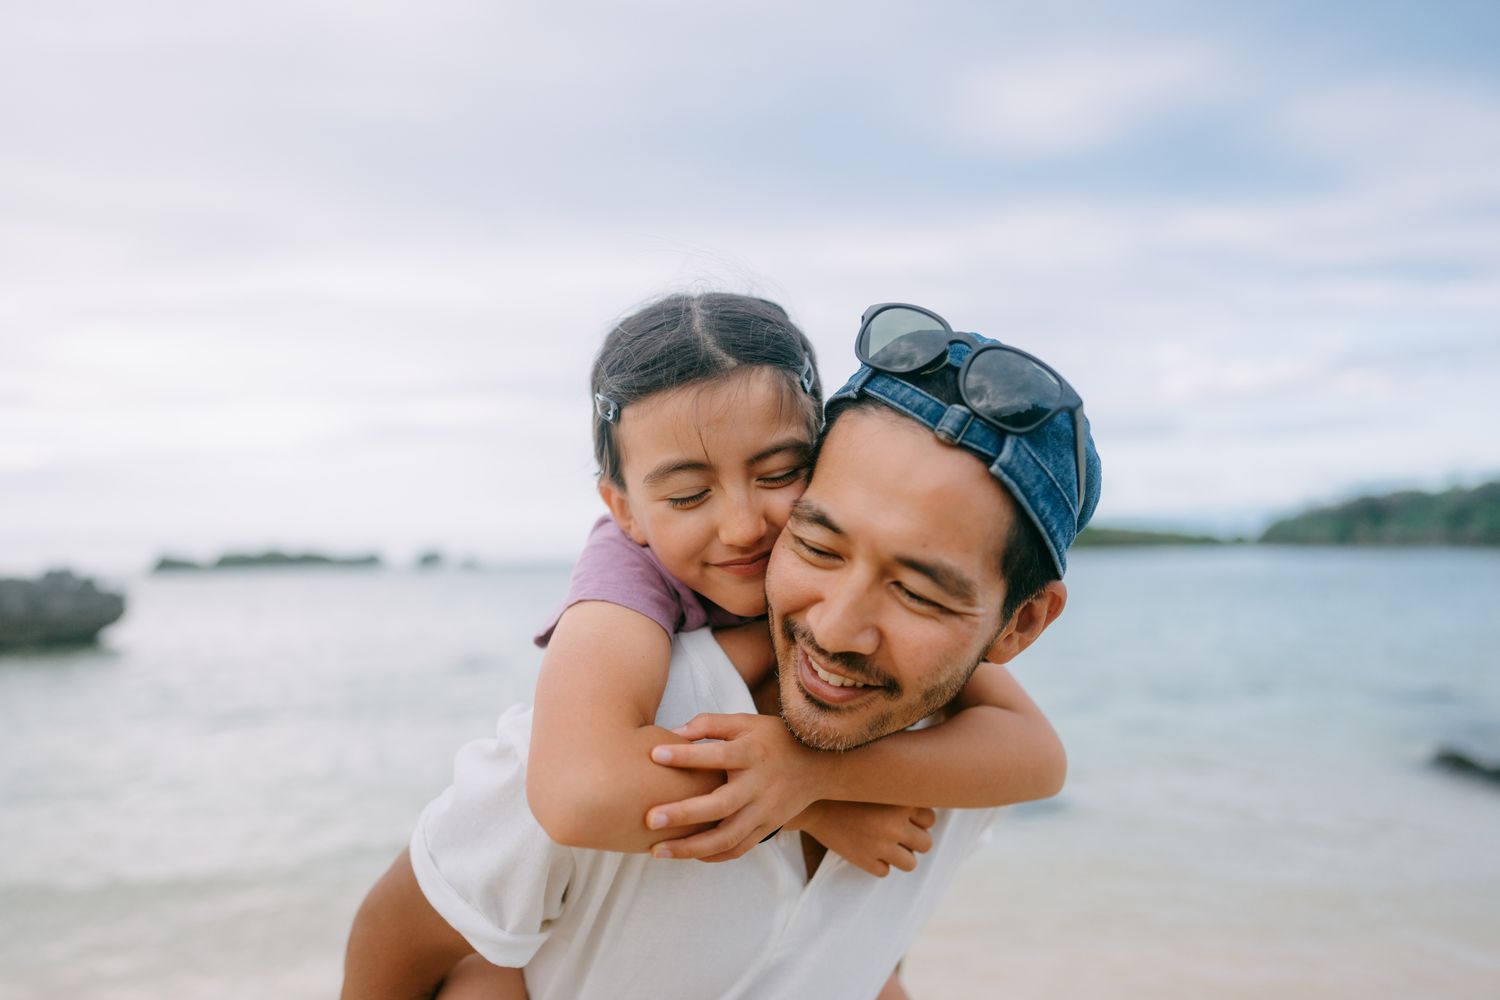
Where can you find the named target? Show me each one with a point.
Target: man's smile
(824, 682)
(837, 680)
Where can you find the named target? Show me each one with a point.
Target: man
(904, 564)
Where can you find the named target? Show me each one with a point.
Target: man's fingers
(903, 859)
(918, 840)
(924, 818)
(726, 800)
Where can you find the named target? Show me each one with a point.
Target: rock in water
(1460, 762)
(58, 608)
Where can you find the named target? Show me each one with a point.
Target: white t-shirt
(600, 924)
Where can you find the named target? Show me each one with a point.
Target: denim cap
(1039, 468)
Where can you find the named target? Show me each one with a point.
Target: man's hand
(871, 836)
(772, 778)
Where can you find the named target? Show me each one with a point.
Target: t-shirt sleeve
(613, 568)
(480, 857)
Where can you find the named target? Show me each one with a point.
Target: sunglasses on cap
(1005, 387)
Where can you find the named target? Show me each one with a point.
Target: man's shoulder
(702, 678)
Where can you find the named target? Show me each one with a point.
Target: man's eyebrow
(950, 580)
(947, 578)
(807, 512)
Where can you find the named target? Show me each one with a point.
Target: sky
(330, 275)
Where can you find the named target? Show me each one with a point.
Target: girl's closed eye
(691, 500)
(784, 478)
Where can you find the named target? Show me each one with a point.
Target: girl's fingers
(903, 859)
(712, 726)
(924, 818)
(721, 756)
(918, 840)
(726, 800)
(729, 839)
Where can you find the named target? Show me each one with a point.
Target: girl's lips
(752, 566)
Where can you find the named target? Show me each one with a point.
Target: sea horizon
(196, 805)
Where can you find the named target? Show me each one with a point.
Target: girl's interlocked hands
(771, 778)
(773, 781)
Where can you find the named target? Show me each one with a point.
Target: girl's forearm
(590, 778)
(982, 756)
(599, 796)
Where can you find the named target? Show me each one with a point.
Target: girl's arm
(590, 777)
(995, 748)
(869, 835)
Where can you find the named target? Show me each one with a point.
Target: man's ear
(619, 508)
(1029, 622)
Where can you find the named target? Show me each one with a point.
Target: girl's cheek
(777, 514)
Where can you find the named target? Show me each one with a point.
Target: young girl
(706, 412)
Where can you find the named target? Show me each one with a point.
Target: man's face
(885, 587)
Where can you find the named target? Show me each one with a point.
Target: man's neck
(812, 854)
(767, 695)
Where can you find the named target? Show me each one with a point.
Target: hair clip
(807, 374)
(607, 408)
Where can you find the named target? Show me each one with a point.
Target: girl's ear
(1029, 622)
(619, 508)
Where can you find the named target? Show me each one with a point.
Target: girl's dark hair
(683, 339)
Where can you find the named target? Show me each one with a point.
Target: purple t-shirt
(613, 568)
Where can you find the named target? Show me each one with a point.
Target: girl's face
(711, 471)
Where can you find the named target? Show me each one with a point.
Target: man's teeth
(834, 679)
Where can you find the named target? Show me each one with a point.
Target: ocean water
(195, 807)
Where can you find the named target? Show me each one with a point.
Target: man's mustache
(850, 664)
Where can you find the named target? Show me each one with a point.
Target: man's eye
(682, 503)
(918, 599)
(812, 551)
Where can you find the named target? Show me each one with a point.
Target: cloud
(1061, 103)
(1413, 138)
(323, 272)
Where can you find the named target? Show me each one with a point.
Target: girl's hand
(871, 836)
(771, 776)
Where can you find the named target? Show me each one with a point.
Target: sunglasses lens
(903, 340)
(1011, 389)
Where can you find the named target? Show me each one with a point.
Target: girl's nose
(743, 524)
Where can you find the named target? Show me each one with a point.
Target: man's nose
(844, 620)
(743, 523)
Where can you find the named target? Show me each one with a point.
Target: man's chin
(823, 727)
(846, 718)
(812, 734)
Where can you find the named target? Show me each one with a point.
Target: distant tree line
(244, 560)
(1453, 517)
(1092, 537)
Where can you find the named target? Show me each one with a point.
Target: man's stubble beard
(814, 725)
